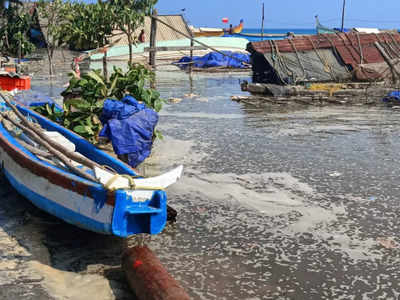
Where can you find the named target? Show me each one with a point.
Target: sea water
(289, 204)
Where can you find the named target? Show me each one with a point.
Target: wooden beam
(174, 48)
(153, 39)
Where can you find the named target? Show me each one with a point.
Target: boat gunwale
(52, 173)
(81, 143)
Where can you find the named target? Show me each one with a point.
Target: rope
(394, 51)
(345, 45)
(273, 57)
(359, 44)
(298, 58)
(131, 181)
(395, 43)
(384, 45)
(282, 63)
(324, 62)
(335, 50)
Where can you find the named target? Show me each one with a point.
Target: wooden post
(105, 71)
(344, 6)
(19, 51)
(191, 54)
(148, 278)
(153, 34)
(262, 23)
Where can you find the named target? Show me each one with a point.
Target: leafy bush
(84, 98)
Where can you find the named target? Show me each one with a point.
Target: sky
(286, 13)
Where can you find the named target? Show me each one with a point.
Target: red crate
(10, 83)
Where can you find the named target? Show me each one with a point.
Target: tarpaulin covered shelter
(335, 57)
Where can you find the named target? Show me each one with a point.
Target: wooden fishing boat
(209, 32)
(239, 28)
(113, 202)
(322, 29)
(259, 35)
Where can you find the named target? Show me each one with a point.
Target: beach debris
(147, 276)
(174, 100)
(388, 243)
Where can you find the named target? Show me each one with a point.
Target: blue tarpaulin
(216, 59)
(392, 97)
(130, 126)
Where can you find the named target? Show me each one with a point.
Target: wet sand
(271, 206)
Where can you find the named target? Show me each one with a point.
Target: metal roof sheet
(353, 48)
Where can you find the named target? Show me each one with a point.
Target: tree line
(66, 23)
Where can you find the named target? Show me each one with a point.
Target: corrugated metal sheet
(352, 49)
(324, 41)
(308, 66)
(163, 32)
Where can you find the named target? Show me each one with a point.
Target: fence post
(153, 33)
(191, 53)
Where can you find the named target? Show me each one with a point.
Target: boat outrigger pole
(262, 23)
(344, 6)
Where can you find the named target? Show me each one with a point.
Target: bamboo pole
(344, 7)
(262, 23)
(65, 160)
(153, 33)
(72, 155)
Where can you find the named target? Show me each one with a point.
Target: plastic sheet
(130, 126)
(216, 59)
(392, 97)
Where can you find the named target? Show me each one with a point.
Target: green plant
(85, 96)
(129, 16)
(135, 82)
(50, 111)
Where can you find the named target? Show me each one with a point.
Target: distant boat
(237, 29)
(323, 29)
(207, 31)
(259, 35)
